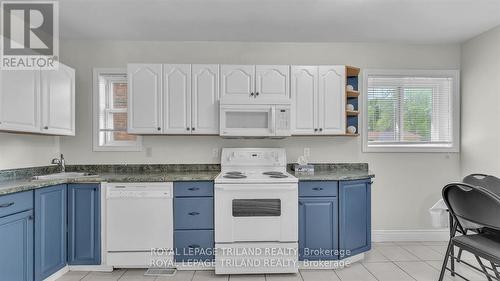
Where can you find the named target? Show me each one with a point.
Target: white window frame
(122, 146)
(425, 148)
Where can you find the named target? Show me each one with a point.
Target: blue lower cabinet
(50, 230)
(318, 228)
(16, 247)
(194, 213)
(194, 245)
(84, 224)
(355, 216)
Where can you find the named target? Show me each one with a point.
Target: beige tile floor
(391, 261)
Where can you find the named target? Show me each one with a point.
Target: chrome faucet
(60, 162)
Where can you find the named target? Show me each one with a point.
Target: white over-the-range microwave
(255, 120)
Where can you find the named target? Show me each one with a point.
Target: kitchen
(188, 150)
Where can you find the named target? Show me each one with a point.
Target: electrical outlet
(149, 152)
(307, 151)
(215, 153)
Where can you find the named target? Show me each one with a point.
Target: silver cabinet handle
(46, 127)
(6, 205)
(194, 246)
(193, 188)
(251, 94)
(193, 213)
(320, 129)
(317, 188)
(192, 129)
(187, 129)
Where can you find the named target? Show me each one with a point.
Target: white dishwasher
(139, 218)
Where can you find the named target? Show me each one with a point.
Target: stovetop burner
(272, 173)
(234, 176)
(278, 176)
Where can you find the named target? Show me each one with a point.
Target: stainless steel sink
(65, 175)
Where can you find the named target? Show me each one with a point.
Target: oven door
(256, 212)
(247, 120)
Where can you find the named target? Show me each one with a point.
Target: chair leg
(453, 229)
(483, 268)
(459, 256)
(445, 262)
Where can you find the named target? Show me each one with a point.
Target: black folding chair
(488, 182)
(473, 204)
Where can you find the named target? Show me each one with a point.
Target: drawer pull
(6, 205)
(318, 188)
(194, 188)
(193, 213)
(194, 246)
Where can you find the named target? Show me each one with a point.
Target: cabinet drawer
(15, 203)
(193, 245)
(318, 188)
(194, 213)
(193, 188)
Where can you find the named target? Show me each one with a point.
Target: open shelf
(352, 94)
(352, 112)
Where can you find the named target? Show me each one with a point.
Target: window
(411, 111)
(110, 112)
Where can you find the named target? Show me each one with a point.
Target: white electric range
(256, 213)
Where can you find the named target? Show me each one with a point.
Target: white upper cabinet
(304, 99)
(58, 101)
(205, 99)
(259, 84)
(237, 83)
(145, 98)
(20, 100)
(176, 98)
(318, 99)
(332, 100)
(272, 82)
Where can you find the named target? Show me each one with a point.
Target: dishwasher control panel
(142, 190)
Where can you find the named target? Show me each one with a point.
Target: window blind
(410, 110)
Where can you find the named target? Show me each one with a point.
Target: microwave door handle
(273, 120)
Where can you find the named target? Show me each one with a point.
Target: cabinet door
(205, 99)
(144, 98)
(355, 216)
(58, 101)
(272, 83)
(237, 83)
(332, 100)
(20, 100)
(16, 247)
(84, 224)
(176, 98)
(304, 100)
(318, 228)
(50, 230)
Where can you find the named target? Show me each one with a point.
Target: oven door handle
(242, 188)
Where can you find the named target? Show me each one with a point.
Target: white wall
(481, 104)
(406, 185)
(24, 150)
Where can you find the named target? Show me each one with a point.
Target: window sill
(411, 149)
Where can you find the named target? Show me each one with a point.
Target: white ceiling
(416, 21)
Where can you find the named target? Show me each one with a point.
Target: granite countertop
(18, 185)
(335, 175)
(17, 180)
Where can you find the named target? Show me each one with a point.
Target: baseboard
(102, 268)
(410, 235)
(58, 274)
